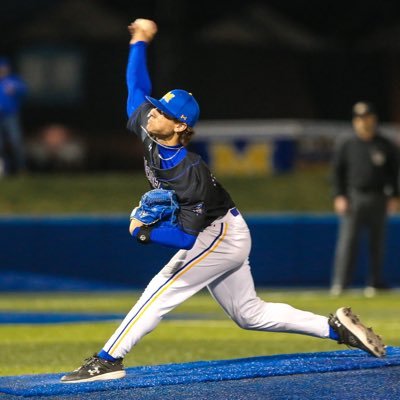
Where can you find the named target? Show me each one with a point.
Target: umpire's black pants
(367, 210)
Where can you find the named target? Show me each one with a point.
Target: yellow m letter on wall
(252, 159)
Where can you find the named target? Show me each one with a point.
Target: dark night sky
(242, 59)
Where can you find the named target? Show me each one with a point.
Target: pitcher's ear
(180, 127)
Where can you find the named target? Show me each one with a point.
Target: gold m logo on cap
(183, 117)
(167, 98)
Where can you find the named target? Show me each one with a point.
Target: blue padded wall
(98, 252)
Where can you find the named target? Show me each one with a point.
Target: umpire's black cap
(362, 108)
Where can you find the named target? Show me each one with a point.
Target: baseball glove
(157, 205)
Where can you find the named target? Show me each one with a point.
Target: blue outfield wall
(97, 252)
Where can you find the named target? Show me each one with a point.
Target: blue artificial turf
(291, 376)
(364, 384)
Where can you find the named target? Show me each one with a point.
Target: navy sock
(333, 334)
(105, 356)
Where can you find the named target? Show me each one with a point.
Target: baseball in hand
(145, 28)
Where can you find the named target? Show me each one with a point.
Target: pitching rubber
(102, 377)
(372, 342)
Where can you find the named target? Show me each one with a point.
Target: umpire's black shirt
(367, 166)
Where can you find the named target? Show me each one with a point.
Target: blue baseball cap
(178, 104)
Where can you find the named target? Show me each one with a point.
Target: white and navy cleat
(353, 333)
(95, 369)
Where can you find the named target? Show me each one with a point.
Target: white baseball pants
(218, 260)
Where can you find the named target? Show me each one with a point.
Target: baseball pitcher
(188, 209)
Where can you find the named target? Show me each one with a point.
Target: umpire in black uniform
(366, 187)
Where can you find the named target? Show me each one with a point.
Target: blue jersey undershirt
(139, 86)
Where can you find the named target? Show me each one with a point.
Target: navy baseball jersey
(201, 197)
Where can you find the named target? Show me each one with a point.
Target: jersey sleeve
(138, 121)
(170, 237)
(137, 77)
(139, 85)
(173, 237)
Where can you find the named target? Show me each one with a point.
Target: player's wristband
(143, 235)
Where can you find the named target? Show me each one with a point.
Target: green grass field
(305, 190)
(31, 349)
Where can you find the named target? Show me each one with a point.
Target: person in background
(366, 187)
(12, 91)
